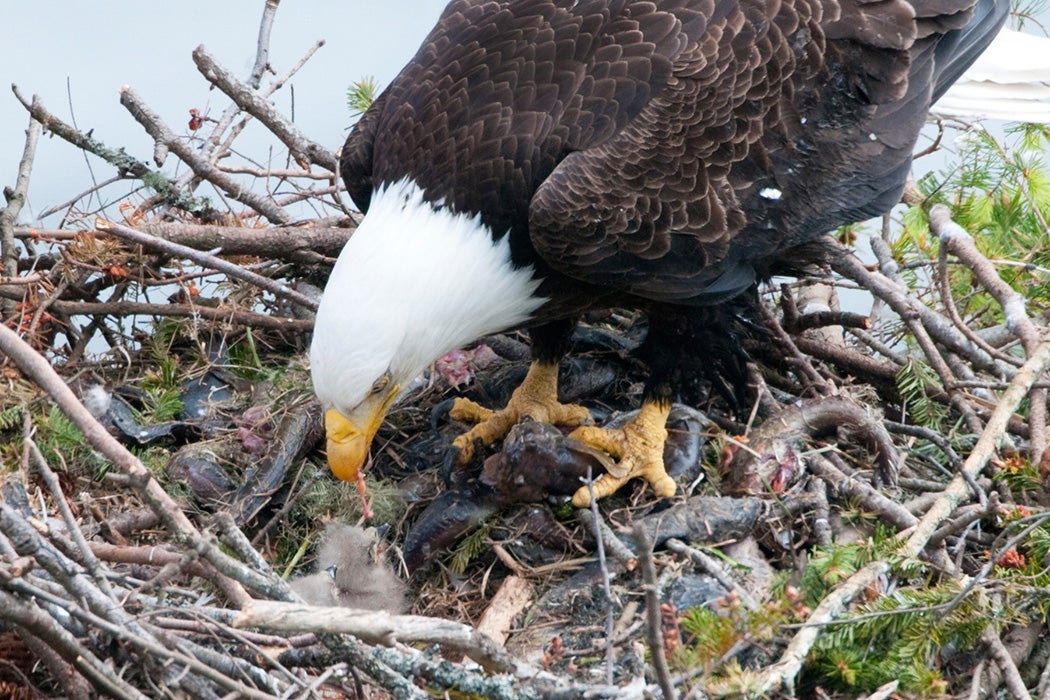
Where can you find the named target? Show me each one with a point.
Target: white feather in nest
(1010, 81)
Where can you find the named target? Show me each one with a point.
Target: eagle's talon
(639, 449)
(449, 462)
(440, 414)
(536, 398)
(468, 411)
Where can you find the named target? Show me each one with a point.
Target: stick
(303, 149)
(205, 259)
(652, 613)
(376, 628)
(16, 197)
(160, 132)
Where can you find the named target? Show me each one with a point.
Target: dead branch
(998, 653)
(901, 301)
(652, 613)
(15, 198)
(376, 628)
(712, 568)
(40, 370)
(135, 308)
(160, 133)
(960, 243)
(115, 157)
(784, 671)
(847, 487)
(247, 98)
(205, 259)
(302, 244)
(33, 620)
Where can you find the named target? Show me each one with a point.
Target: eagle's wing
(663, 147)
(500, 91)
(782, 121)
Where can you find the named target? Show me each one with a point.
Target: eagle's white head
(414, 281)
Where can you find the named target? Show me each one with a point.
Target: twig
(712, 568)
(87, 557)
(652, 612)
(304, 244)
(205, 259)
(945, 288)
(610, 543)
(15, 198)
(848, 360)
(147, 555)
(135, 308)
(75, 685)
(34, 620)
(115, 157)
(822, 534)
(983, 450)
(998, 653)
(37, 368)
(848, 488)
(376, 628)
(606, 579)
(818, 382)
(960, 243)
(784, 671)
(303, 149)
(262, 44)
(101, 612)
(160, 132)
(900, 300)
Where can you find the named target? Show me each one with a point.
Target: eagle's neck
(415, 281)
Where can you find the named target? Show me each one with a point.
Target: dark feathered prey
(539, 158)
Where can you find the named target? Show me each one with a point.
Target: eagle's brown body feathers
(669, 149)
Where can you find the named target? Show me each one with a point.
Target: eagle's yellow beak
(350, 438)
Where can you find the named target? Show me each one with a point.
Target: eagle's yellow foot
(536, 398)
(638, 448)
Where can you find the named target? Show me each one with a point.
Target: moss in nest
(63, 444)
(327, 497)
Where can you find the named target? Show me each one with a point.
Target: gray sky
(104, 44)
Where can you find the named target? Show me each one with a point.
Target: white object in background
(1010, 80)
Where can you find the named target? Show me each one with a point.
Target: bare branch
(135, 308)
(160, 132)
(376, 628)
(960, 243)
(303, 149)
(654, 623)
(15, 198)
(206, 259)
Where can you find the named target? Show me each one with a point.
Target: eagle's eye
(380, 384)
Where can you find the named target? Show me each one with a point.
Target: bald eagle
(538, 159)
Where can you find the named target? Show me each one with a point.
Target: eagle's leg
(536, 397)
(638, 448)
(684, 345)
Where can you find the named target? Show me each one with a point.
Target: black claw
(449, 464)
(440, 414)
